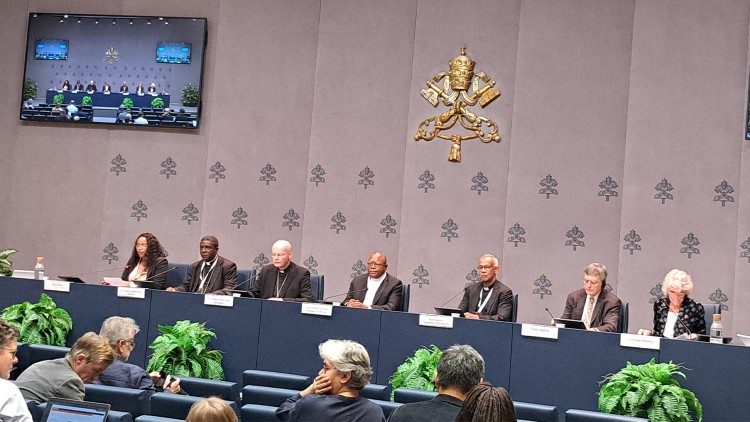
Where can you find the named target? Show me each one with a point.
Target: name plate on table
(131, 292)
(640, 342)
(218, 300)
(57, 285)
(541, 331)
(438, 321)
(321, 309)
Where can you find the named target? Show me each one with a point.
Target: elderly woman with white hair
(334, 394)
(676, 313)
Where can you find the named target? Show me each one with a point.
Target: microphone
(399, 287)
(679, 320)
(451, 299)
(550, 313)
(237, 286)
(151, 279)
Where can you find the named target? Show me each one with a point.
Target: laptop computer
(65, 410)
(23, 274)
(571, 323)
(707, 338)
(448, 311)
(71, 278)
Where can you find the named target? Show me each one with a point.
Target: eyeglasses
(132, 342)
(485, 267)
(12, 352)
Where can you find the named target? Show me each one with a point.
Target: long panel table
(276, 336)
(100, 99)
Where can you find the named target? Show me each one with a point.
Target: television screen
(51, 49)
(110, 76)
(173, 52)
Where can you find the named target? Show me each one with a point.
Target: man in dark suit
(376, 289)
(212, 274)
(488, 298)
(595, 306)
(282, 279)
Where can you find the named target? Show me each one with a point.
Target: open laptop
(448, 311)
(71, 278)
(571, 323)
(707, 338)
(65, 410)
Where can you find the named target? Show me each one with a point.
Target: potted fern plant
(157, 102)
(6, 265)
(58, 99)
(418, 371)
(29, 89)
(182, 349)
(190, 95)
(649, 391)
(39, 323)
(87, 101)
(127, 103)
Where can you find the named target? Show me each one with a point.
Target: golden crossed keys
(460, 90)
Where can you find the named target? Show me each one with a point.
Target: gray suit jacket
(389, 296)
(606, 315)
(50, 378)
(222, 279)
(499, 306)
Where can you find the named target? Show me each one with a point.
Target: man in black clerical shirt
(488, 298)
(212, 274)
(282, 279)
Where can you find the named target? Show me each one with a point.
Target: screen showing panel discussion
(124, 71)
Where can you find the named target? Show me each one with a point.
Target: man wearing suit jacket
(377, 289)
(282, 279)
(605, 307)
(212, 274)
(488, 298)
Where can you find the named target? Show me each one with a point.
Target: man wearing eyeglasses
(377, 289)
(12, 405)
(121, 332)
(488, 298)
(593, 304)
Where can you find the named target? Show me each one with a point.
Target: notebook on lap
(65, 410)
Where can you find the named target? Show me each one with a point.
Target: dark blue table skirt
(100, 99)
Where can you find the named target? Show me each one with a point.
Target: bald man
(282, 279)
(488, 298)
(377, 289)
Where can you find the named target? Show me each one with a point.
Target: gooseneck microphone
(451, 299)
(237, 287)
(550, 313)
(151, 279)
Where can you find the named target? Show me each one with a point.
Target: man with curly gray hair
(334, 394)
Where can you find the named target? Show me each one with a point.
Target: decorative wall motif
(168, 167)
(548, 185)
(260, 261)
(574, 236)
(238, 217)
(139, 210)
(689, 245)
(472, 277)
(190, 213)
(420, 276)
(516, 235)
(608, 188)
(723, 190)
(449, 230)
(480, 183)
(317, 175)
(118, 165)
(425, 181)
(543, 285)
(358, 268)
(663, 190)
(290, 219)
(366, 176)
(311, 264)
(110, 253)
(267, 173)
(655, 293)
(217, 172)
(719, 298)
(745, 245)
(388, 225)
(338, 221)
(631, 242)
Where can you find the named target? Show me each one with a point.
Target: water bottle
(39, 268)
(717, 330)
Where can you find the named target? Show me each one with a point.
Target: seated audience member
(120, 332)
(124, 87)
(675, 313)
(147, 263)
(460, 369)
(124, 114)
(140, 90)
(12, 404)
(334, 394)
(140, 120)
(152, 88)
(212, 274)
(61, 116)
(28, 104)
(486, 403)
(106, 88)
(377, 289)
(183, 115)
(282, 279)
(66, 85)
(64, 377)
(212, 409)
(72, 109)
(488, 298)
(78, 86)
(166, 116)
(91, 87)
(593, 304)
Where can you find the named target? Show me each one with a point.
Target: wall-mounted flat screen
(51, 49)
(173, 52)
(100, 69)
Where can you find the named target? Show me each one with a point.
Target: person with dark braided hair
(487, 403)
(146, 263)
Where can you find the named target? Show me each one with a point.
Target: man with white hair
(282, 279)
(488, 298)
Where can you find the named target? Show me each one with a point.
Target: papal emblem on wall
(459, 89)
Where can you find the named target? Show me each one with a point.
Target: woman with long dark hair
(147, 263)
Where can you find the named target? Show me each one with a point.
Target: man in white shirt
(12, 404)
(377, 289)
(593, 304)
(72, 109)
(140, 120)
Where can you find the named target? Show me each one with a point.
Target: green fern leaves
(182, 350)
(39, 323)
(418, 371)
